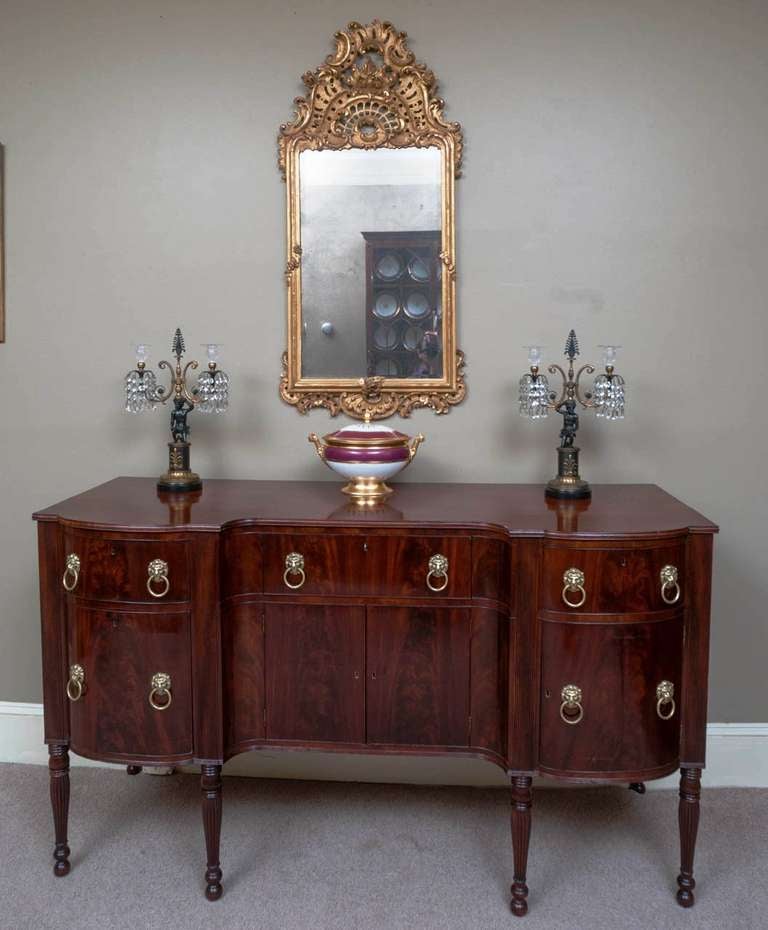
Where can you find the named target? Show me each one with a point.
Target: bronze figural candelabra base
(568, 484)
(179, 476)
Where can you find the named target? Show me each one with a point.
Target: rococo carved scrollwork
(352, 103)
(369, 396)
(370, 93)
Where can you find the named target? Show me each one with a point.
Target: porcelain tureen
(367, 455)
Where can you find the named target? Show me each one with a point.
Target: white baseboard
(737, 757)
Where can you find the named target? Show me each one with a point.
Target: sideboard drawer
(315, 564)
(595, 580)
(604, 707)
(129, 684)
(241, 563)
(420, 566)
(126, 569)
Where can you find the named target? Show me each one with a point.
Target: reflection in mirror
(370, 272)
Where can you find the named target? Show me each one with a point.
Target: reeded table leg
(521, 834)
(688, 817)
(58, 771)
(210, 782)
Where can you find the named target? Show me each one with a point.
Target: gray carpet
(321, 855)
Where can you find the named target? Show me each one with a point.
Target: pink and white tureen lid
(367, 435)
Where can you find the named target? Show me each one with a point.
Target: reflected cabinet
(567, 639)
(402, 273)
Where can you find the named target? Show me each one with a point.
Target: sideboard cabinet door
(418, 675)
(242, 648)
(120, 653)
(616, 726)
(315, 673)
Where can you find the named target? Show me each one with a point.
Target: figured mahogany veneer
(120, 652)
(114, 568)
(356, 649)
(617, 665)
(617, 580)
(315, 668)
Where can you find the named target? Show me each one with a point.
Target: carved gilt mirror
(369, 164)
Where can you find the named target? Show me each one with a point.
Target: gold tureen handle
(317, 442)
(413, 446)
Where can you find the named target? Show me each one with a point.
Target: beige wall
(615, 180)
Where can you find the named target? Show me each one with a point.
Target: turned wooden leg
(133, 770)
(521, 834)
(58, 771)
(210, 782)
(688, 817)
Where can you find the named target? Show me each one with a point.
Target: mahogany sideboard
(553, 638)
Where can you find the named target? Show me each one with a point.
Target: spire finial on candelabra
(178, 348)
(571, 345)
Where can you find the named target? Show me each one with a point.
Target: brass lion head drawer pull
(160, 696)
(438, 569)
(573, 583)
(157, 570)
(670, 588)
(571, 710)
(71, 572)
(294, 565)
(76, 682)
(665, 698)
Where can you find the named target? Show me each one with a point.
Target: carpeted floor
(322, 855)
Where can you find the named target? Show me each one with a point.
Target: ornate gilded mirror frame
(354, 101)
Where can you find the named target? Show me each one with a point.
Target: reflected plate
(418, 269)
(413, 337)
(388, 368)
(416, 305)
(385, 337)
(385, 306)
(389, 267)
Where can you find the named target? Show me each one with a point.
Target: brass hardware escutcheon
(571, 697)
(438, 568)
(665, 694)
(72, 571)
(668, 576)
(76, 682)
(161, 688)
(294, 565)
(157, 570)
(573, 580)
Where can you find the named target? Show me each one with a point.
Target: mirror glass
(371, 288)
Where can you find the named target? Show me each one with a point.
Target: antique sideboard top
(518, 509)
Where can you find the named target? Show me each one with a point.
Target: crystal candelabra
(209, 395)
(536, 400)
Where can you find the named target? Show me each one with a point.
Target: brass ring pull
(571, 698)
(294, 565)
(72, 571)
(668, 576)
(161, 688)
(573, 580)
(75, 683)
(665, 695)
(158, 574)
(438, 568)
